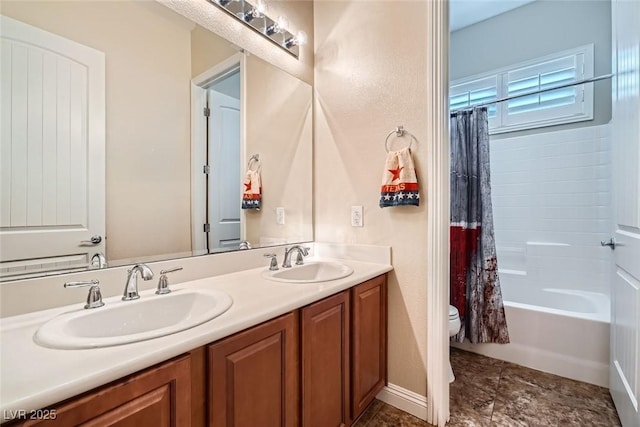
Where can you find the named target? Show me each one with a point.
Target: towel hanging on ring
(399, 181)
(252, 192)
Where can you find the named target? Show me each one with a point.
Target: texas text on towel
(252, 195)
(399, 182)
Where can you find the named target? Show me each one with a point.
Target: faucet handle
(171, 270)
(94, 299)
(163, 283)
(273, 265)
(304, 251)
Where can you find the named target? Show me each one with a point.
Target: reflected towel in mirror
(252, 192)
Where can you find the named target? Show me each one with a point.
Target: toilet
(454, 328)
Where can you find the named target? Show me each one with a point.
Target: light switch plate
(357, 219)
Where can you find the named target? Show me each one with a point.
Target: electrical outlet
(357, 219)
(280, 216)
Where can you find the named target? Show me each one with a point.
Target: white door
(625, 291)
(52, 151)
(224, 178)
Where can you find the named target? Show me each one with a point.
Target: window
(476, 92)
(564, 105)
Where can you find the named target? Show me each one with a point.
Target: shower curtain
(475, 286)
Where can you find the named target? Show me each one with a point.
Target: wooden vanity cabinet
(156, 397)
(325, 362)
(254, 376)
(344, 354)
(368, 342)
(319, 366)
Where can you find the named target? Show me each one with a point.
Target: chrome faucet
(131, 290)
(302, 251)
(98, 260)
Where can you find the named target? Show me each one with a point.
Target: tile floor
(490, 392)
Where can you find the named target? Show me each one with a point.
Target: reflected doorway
(223, 161)
(217, 149)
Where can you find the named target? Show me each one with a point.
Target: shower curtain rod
(508, 98)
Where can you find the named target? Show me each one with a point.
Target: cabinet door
(325, 362)
(254, 376)
(369, 341)
(159, 396)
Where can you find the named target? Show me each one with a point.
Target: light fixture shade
(261, 7)
(283, 23)
(302, 38)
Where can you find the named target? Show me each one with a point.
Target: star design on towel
(387, 197)
(247, 186)
(395, 173)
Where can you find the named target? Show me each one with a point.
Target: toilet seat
(454, 328)
(453, 313)
(454, 321)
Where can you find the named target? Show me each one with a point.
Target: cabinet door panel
(325, 362)
(369, 338)
(254, 376)
(157, 397)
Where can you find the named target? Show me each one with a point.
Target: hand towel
(399, 182)
(252, 195)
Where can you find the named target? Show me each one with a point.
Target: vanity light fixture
(279, 26)
(255, 17)
(299, 40)
(256, 12)
(223, 3)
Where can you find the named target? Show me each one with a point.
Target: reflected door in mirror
(52, 143)
(223, 197)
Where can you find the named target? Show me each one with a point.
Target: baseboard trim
(405, 400)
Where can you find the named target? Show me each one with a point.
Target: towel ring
(254, 159)
(400, 132)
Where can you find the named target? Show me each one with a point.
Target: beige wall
(147, 49)
(370, 67)
(208, 50)
(279, 129)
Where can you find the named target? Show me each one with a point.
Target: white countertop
(33, 377)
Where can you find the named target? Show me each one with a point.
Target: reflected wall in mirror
(155, 149)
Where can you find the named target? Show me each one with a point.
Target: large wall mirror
(130, 134)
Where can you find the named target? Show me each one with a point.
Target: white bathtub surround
(552, 207)
(567, 302)
(34, 377)
(571, 339)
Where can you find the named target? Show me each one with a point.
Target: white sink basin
(123, 322)
(310, 272)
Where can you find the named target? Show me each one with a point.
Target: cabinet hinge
(207, 228)
(206, 169)
(207, 111)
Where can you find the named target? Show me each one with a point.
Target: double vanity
(304, 345)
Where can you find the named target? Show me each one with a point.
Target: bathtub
(561, 331)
